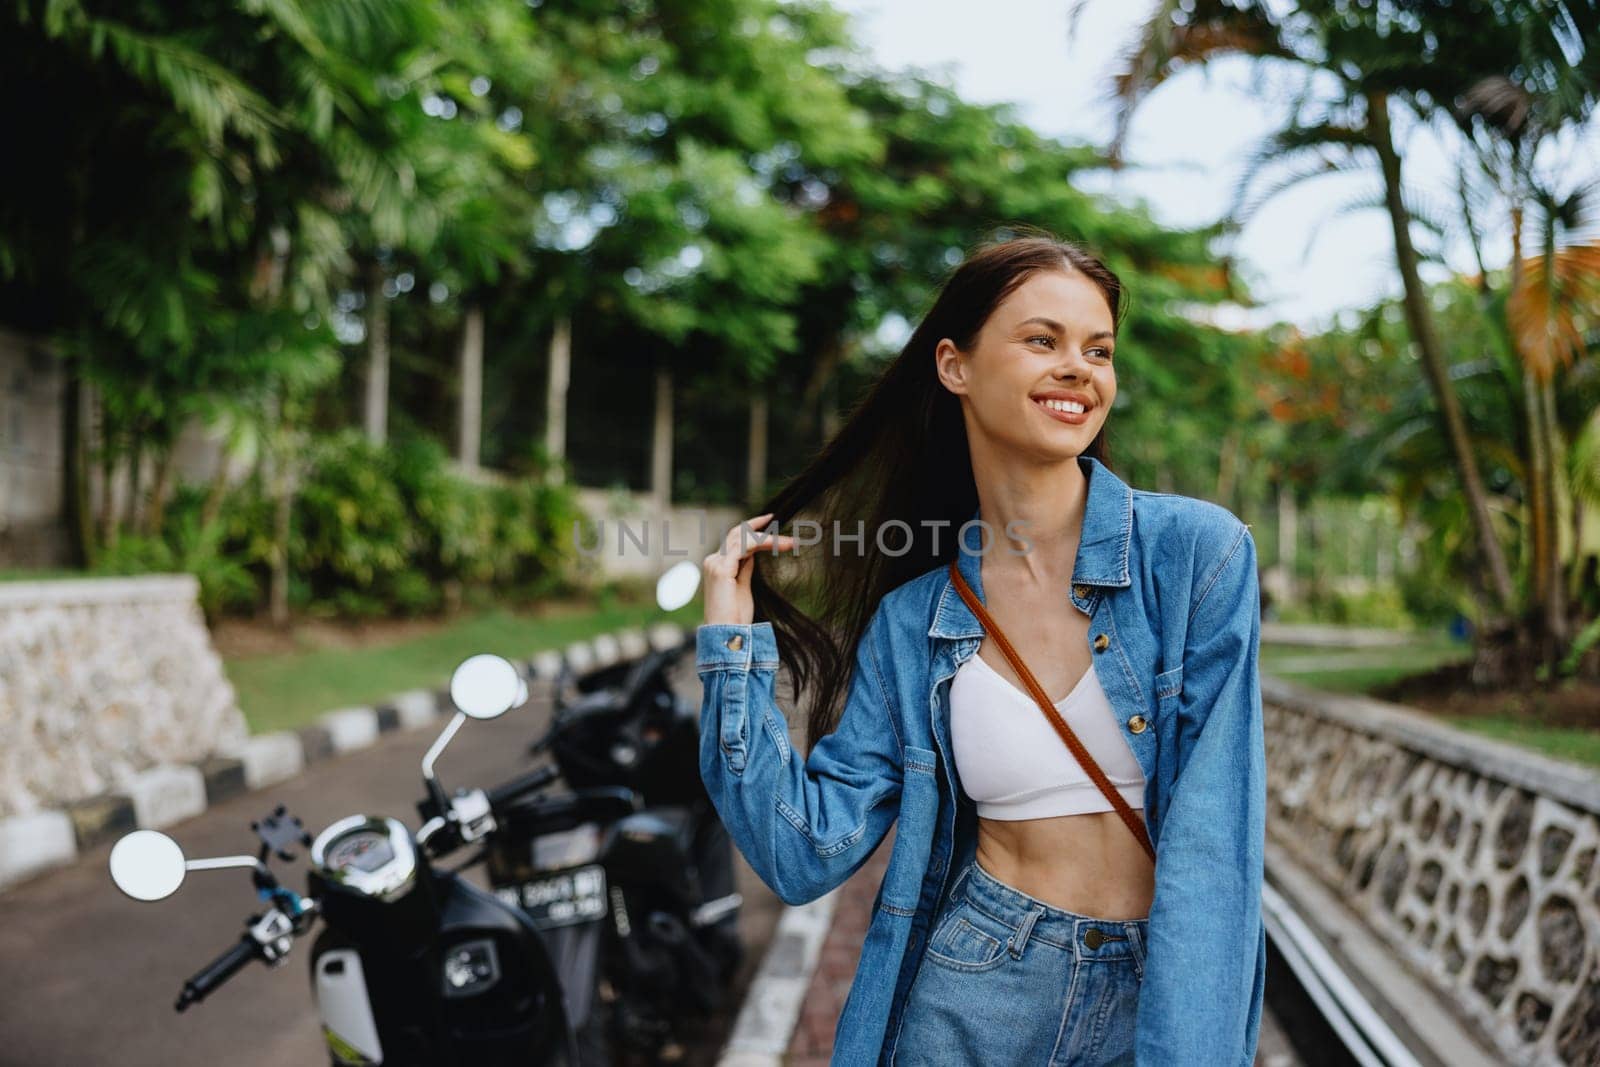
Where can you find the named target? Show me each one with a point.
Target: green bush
(352, 537)
(186, 545)
(1382, 607)
(374, 531)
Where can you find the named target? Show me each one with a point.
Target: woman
(1019, 920)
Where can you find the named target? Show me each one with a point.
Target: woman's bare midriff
(1089, 863)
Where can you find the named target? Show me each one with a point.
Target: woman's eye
(1044, 337)
(1106, 352)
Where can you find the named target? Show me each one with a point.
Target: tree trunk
(130, 515)
(1538, 503)
(106, 519)
(821, 388)
(215, 493)
(470, 369)
(1420, 320)
(555, 402)
(376, 408)
(76, 514)
(283, 499)
(1288, 535)
(661, 446)
(156, 507)
(755, 480)
(1555, 602)
(1579, 560)
(1227, 468)
(831, 420)
(1541, 515)
(275, 449)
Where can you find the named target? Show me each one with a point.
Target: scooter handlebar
(536, 779)
(217, 971)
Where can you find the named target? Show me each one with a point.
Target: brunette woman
(1045, 678)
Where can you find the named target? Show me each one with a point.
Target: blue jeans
(1007, 979)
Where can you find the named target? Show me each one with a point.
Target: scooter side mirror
(487, 686)
(677, 585)
(147, 865)
(484, 686)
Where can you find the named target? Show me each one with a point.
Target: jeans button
(1093, 937)
(1137, 724)
(1101, 642)
(736, 642)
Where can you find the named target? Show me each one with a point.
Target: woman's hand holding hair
(728, 570)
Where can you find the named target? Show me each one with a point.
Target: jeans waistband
(1087, 936)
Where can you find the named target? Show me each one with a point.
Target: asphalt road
(88, 977)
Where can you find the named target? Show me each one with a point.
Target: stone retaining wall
(1474, 859)
(102, 679)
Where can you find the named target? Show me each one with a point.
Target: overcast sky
(1190, 139)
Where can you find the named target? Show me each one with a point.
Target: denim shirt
(1169, 584)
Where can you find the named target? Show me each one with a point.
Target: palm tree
(1370, 55)
(1506, 124)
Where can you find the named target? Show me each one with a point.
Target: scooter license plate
(565, 897)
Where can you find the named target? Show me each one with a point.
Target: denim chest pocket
(913, 834)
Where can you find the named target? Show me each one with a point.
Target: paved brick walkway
(812, 1044)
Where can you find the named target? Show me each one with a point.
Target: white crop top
(1014, 764)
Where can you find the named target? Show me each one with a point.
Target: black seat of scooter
(593, 707)
(676, 823)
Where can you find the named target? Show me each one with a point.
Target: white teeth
(1064, 405)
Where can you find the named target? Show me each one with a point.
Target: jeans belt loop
(1019, 940)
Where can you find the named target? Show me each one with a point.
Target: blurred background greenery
(416, 273)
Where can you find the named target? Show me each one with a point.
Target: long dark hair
(900, 455)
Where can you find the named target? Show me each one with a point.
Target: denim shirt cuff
(735, 646)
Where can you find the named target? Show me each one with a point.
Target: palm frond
(1559, 290)
(201, 89)
(1173, 39)
(1271, 155)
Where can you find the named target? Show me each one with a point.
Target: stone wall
(1473, 859)
(101, 679)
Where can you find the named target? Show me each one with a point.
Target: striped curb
(163, 795)
(771, 1010)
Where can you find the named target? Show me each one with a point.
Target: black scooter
(672, 946)
(415, 965)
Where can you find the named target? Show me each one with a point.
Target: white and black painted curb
(772, 1005)
(163, 795)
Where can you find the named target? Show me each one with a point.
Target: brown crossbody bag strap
(1086, 761)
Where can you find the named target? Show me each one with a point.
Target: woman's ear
(951, 366)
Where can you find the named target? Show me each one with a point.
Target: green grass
(43, 574)
(1358, 671)
(283, 691)
(1563, 742)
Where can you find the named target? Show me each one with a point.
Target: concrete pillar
(555, 422)
(471, 378)
(661, 454)
(756, 452)
(376, 406)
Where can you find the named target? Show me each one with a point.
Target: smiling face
(1039, 378)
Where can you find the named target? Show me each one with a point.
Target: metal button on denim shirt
(1169, 583)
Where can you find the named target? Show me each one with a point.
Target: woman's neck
(1043, 506)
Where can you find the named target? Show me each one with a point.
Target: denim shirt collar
(1102, 551)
